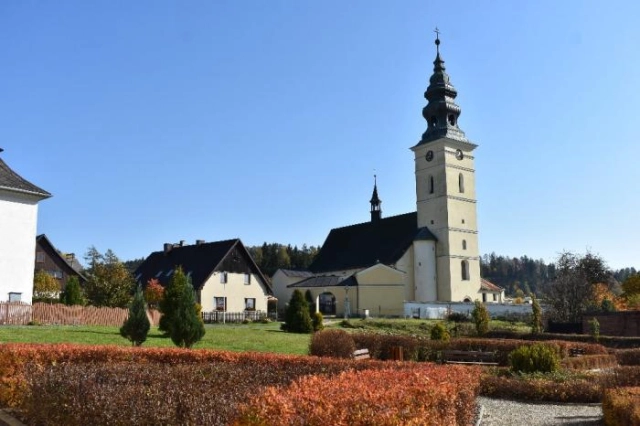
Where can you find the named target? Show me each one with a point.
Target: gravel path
(500, 412)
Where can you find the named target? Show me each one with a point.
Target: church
(429, 255)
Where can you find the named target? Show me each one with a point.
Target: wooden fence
(59, 314)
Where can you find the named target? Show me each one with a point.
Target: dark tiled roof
(359, 246)
(489, 286)
(11, 181)
(326, 281)
(43, 241)
(198, 261)
(296, 273)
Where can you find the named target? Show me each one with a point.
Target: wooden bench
(573, 352)
(469, 357)
(360, 354)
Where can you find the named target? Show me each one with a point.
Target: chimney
(167, 247)
(199, 242)
(181, 243)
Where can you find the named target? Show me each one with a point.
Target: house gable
(50, 260)
(380, 275)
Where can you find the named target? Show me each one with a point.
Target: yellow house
(430, 255)
(223, 274)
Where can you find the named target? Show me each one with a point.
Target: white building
(18, 222)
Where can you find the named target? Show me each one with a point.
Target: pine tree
(311, 302)
(297, 318)
(536, 315)
(180, 319)
(72, 293)
(136, 326)
(480, 317)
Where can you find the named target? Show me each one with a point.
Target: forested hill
(526, 274)
(274, 256)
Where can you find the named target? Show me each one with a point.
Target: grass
(241, 337)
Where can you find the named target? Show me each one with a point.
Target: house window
(484, 297)
(249, 304)
(495, 297)
(223, 277)
(461, 183)
(40, 257)
(55, 274)
(247, 279)
(15, 297)
(464, 266)
(464, 244)
(431, 185)
(220, 303)
(169, 272)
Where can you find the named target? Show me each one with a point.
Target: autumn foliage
(79, 385)
(621, 406)
(425, 395)
(153, 292)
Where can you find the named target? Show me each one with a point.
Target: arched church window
(464, 244)
(464, 266)
(433, 121)
(431, 185)
(452, 119)
(461, 182)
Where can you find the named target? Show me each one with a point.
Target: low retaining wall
(439, 310)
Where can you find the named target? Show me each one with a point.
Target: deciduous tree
(45, 287)
(154, 292)
(109, 282)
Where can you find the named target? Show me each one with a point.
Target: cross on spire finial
(437, 31)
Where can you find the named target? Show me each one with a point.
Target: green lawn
(249, 337)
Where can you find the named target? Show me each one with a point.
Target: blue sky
(159, 121)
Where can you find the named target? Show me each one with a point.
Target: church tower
(445, 189)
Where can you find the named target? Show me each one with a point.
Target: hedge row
(14, 359)
(614, 342)
(430, 395)
(78, 385)
(590, 362)
(540, 389)
(422, 349)
(628, 356)
(621, 407)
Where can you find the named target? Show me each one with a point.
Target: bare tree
(571, 292)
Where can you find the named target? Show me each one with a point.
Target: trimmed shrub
(589, 362)
(432, 395)
(536, 358)
(316, 321)
(439, 332)
(481, 318)
(72, 293)
(296, 317)
(536, 315)
(527, 388)
(332, 343)
(621, 407)
(137, 325)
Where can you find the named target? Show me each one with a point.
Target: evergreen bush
(72, 293)
(536, 358)
(536, 316)
(137, 325)
(439, 332)
(316, 320)
(180, 313)
(480, 317)
(296, 317)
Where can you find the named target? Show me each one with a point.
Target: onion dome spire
(376, 212)
(441, 111)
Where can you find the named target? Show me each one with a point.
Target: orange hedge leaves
(423, 395)
(621, 407)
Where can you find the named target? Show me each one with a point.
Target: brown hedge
(589, 362)
(621, 406)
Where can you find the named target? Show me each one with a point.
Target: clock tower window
(461, 183)
(464, 266)
(431, 185)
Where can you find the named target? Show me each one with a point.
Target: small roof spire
(375, 201)
(437, 31)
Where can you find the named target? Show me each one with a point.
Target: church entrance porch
(327, 303)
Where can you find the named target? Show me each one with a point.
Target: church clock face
(459, 154)
(429, 155)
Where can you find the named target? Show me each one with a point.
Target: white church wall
(435, 310)
(18, 221)
(424, 268)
